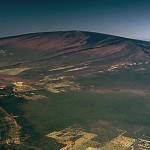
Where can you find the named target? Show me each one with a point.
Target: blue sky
(128, 18)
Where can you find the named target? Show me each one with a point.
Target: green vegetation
(7, 91)
(72, 108)
(118, 79)
(38, 118)
(56, 111)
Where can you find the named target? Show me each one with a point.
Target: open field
(13, 71)
(83, 108)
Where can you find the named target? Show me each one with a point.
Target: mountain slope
(72, 53)
(58, 44)
(78, 83)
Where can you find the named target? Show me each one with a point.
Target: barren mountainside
(67, 44)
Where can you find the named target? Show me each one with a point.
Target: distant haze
(127, 18)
